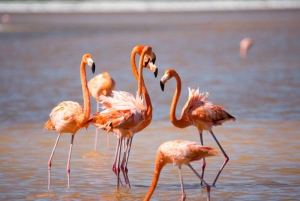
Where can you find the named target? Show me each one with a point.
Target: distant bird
(124, 115)
(245, 45)
(69, 117)
(178, 153)
(199, 112)
(101, 84)
(5, 18)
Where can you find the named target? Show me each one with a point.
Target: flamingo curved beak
(93, 67)
(163, 81)
(156, 72)
(153, 68)
(162, 85)
(91, 64)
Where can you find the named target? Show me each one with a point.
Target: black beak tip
(155, 73)
(93, 68)
(162, 86)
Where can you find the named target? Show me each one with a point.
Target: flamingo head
(87, 59)
(169, 73)
(149, 61)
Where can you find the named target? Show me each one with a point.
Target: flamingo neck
(180, 123)
(138, 50)
(140, 73)
(159, 164)
(85, 92)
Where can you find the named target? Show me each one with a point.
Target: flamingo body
(181, 152)
(101, 84)
(66, 117)
(202, 113)
(178, 153)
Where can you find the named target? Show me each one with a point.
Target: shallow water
(40, 56)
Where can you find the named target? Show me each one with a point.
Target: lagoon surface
(40, 56)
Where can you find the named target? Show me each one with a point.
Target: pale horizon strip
(142, 6)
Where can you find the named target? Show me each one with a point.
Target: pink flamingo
(245, 45)
(101, 84)
(126, 115)
(69, 116)
(178, 153)
(199, 112)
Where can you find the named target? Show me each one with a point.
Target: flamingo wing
(203, 112)
(123, 113)
(123, 100)
(195, 99)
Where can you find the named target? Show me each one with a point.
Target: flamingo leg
(129, 148)
(96, 139)
(107, 141)
(119, 162)
(69, 158)
(107, 136)
(225, 155)
(127, 158)
(202, 180)
(115, 167)
(130, 142)
(183, 196)
(203, 159)
(50, 159)
(124, 147)
(115, 158)
(96, 135)
(123, 167)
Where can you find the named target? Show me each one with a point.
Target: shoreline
(141, 6)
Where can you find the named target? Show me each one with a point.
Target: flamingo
(199, 112)
(148, 64)
(178, 153)
(69, 116)
(125, 115)
(101, 84)
(245, 45)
